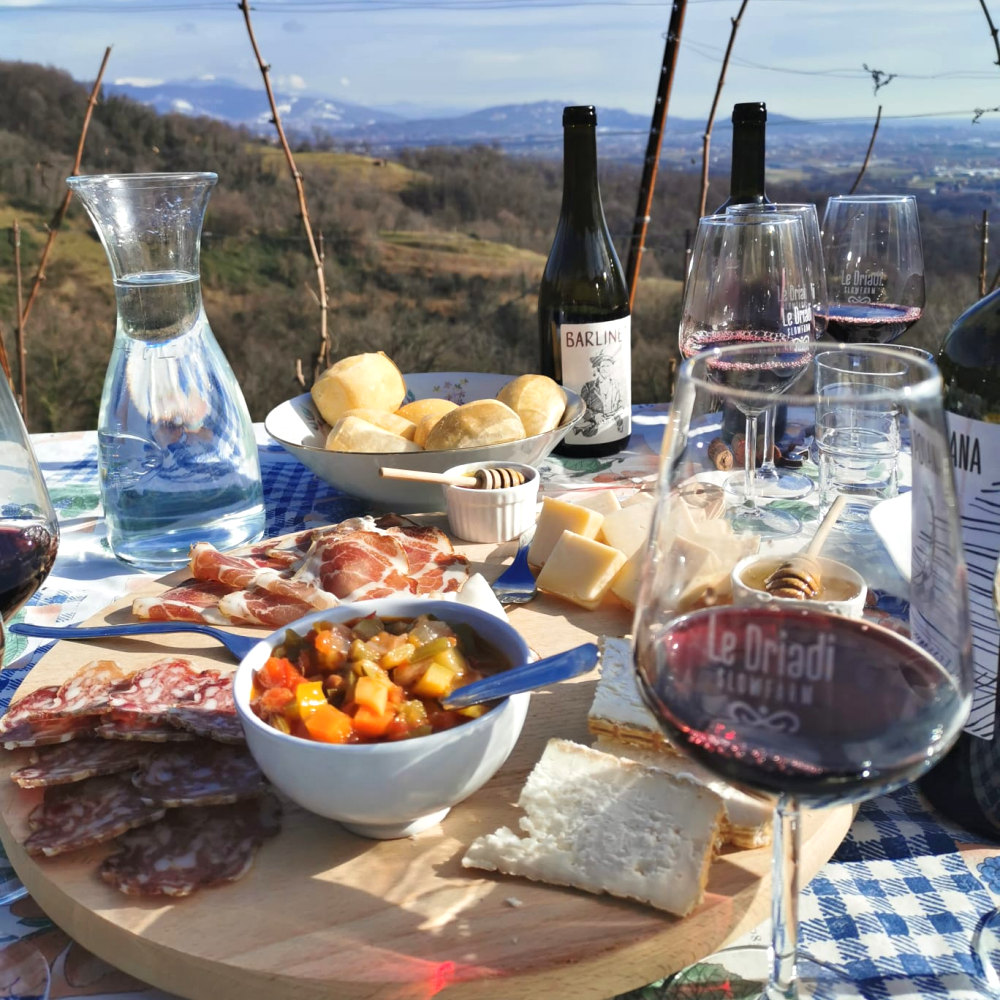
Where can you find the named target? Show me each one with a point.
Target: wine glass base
(763, 520)
(773, 485)
(740, 973)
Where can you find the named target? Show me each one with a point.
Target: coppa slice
(191, 848)
(86, 813)
(76, 761)
(199, 774)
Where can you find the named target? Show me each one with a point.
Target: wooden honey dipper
(496, 478)
(800, 577)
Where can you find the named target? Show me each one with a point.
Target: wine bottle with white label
(966, 784)
(584, 318)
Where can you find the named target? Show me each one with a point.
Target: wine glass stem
(767, 469)
(750, 461)
(787, 845)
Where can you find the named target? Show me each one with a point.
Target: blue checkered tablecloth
(896, 907)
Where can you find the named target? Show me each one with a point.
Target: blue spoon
(238, 645)
(551, 670)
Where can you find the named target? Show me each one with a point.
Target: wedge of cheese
(603, 501)
(602, 823)
(628, 529)
(555, 517)
(580, 569)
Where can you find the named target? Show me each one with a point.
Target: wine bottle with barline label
(966, 784)
(584, 318)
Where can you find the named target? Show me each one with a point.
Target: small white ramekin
(480, 515)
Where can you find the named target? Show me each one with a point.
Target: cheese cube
(603, 501)
(556, 517)
(580, 569)
(628, 528)
(642, 497)
(625, 585)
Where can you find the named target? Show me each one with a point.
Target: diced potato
(372, 693)
(453, 659)
(436, 682)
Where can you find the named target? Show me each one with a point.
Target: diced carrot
(275, 700)
(370, 723)
(278, 672)
(328, 725)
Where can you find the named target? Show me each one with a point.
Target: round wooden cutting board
(324, 913)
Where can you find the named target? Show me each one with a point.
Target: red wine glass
(749, 282)
(874, 267)
(792, 695)
(29, 533)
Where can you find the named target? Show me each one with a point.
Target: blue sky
(803, 57)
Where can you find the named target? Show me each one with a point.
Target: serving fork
(516, 584)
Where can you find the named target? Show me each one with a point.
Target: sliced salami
(135, 727)
(69, 762)
(199, 774)
(191, 848)
(86, 813)
(210, 712)
(88, 690)
(42, 703)
(46, 731)
(150, 692)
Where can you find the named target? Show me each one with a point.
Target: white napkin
(892, 521)
(477, 593)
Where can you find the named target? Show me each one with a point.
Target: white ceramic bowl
(498, 515)
(849, 588)
(387, 790)
(296, 425)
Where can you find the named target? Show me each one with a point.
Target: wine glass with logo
(754, 653)
(749, 283)
(874, 267)
(29, 534)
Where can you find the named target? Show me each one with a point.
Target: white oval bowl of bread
(298, 426)
(393, 789)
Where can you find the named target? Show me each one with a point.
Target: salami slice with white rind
(85, 813)
(88, 691)
(46, 731)
(199, 774)
(210, 712)
(42, 703)
(151, 691)
(140, 728)
(75, 761)
(191, 848)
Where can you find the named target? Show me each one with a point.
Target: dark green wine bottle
(746, 175)
(966, 784)
(584, 320)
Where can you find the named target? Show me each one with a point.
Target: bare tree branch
(5, 361)
(706, 139)
(993, 29)
(322, 359)
(60, 213)
(868, 153)
(879, 79)
(22, 354)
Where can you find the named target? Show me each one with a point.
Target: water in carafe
(177, 458)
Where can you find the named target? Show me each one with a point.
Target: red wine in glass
(27, 551)
(868, 323)
(800, 703)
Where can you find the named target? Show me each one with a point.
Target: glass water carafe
(176, 452)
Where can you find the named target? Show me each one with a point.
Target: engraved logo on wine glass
(861, 287)
(781, 721)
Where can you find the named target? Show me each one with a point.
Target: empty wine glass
(874, 267)
(799, 699)
(774, 483)
(749, 283)
(29, 534)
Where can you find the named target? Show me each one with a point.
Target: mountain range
(535, 128)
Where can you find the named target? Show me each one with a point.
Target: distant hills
(535, 129)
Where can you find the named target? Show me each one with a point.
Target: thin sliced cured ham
(191, 601)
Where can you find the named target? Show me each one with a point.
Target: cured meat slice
(151, 691)
(260, 607)
(69, 762)
(88, 690)
(434, 565)
(191, 848)
(130, 726)
(85, 813)
(46, 731)
(210, 712)
(191, 601)
(362, 564)
(199, 774)
(42, 703)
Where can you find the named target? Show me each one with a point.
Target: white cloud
(345, 81)
(296, 82)
(138, 81)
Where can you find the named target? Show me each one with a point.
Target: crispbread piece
(624, 726)
(604, 824)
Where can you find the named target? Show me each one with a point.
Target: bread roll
(539, 401)
(391, 422)
(431, 406)
(362, 381)
(475, 425)
(355, 434)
